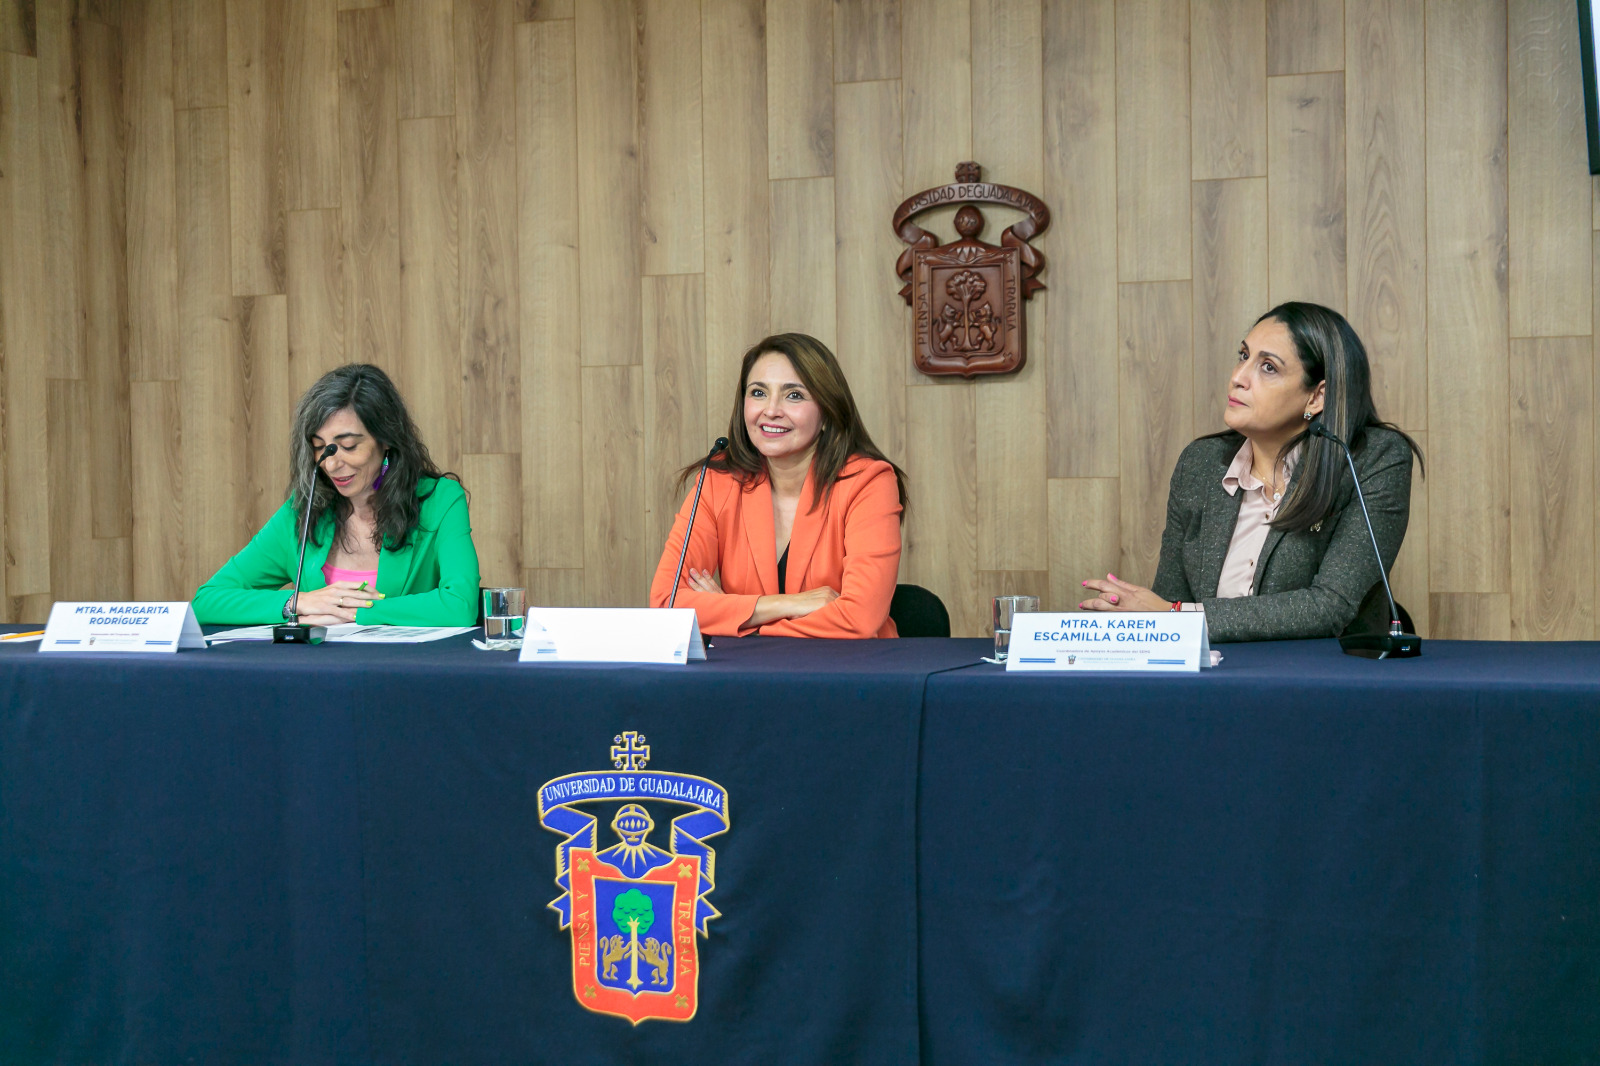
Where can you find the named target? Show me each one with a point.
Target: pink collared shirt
(1256, 511)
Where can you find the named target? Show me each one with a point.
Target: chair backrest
(918, 612)
(1373, 614)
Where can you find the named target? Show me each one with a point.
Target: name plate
(146, 627)
(611, 635)
(1092, 640)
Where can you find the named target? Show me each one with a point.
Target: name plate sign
(1091, 640)
(611, 635)
(146, 627)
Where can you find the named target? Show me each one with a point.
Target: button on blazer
(850, 542)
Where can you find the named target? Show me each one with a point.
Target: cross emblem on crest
(629, 751)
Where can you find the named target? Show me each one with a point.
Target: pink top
(331, 573)
(1256, 511)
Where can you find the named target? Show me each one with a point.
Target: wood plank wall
(559, 222)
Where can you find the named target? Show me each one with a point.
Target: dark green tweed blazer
(1307, 584)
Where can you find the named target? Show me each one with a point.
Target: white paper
(612, 635)
(353, 633)
(122, 627)
(1155, 642)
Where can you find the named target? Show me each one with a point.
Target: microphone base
(298, 633)
(1382, 645)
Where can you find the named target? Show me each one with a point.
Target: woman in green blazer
(390, 539)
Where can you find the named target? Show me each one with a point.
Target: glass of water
(504, 611)
(1004, 608)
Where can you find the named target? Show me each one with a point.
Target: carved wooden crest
(967, 296)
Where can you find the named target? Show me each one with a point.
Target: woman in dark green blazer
(1264, 532)
(390, 542)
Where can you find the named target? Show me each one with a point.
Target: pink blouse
(331, 573)
(1256, 512)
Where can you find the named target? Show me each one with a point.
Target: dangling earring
(377, 482)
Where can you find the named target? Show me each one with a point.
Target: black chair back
(1373, 614)
(918, 612)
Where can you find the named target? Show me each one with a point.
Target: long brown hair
(841, 436)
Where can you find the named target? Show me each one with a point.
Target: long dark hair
(842, 434)
(368, 392)
(1329, 351)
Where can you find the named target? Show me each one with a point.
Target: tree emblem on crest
(967, 296)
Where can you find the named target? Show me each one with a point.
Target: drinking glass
(1005, 607)
(504, 611)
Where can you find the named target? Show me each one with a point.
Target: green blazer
(432, 581)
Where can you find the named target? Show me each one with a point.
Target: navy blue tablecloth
(1296, 857)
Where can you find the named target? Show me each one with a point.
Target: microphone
(295, 632)
(722, 442)
(1397, 643)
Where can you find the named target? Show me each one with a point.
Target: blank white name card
(611, 635)
(1160, 641)
(147, 627)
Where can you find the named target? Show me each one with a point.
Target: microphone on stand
(722, 442)
(1397, 643)
(296, 632)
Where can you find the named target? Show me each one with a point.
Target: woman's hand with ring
(1114, 594)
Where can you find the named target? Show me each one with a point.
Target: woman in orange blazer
(798, 532)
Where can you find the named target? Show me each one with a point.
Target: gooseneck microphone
(1397, 643)
(296, 632)
(722, 442)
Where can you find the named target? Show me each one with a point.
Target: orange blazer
(851, 543)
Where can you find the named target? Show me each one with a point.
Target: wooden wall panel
(311, 104)
(72, 549)
(486, 93)
(370, 205)
(800, 88)
(428, 363)
(1306, 190)
(936, 81)
(941, 527)
(1154, 323)
(425, 36)
(547, 246)
(18, 27)
(1408, 579)
(199, 54)
(1085, 541)
(866, 40)
(537, 10)
(1230, 285)
(152, 240)
(1079, 335)
(256, 142)
(670, 184)
(1552, 489)
(1470, 616)
(1467, 302)
(61, 72)
(315, 271)
(261, 354)
(1228, 80)
(156, 416)
(617, 561)
(1386, 195)
(674, 395)
(804, 254)
(1305, 36)
(495, 483)
(1551, 290)
(1153, 155)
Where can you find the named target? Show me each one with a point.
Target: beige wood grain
(1552, 489)
(370, 208)
(494, 482)
(105, 280)
(311, 104)
(1548, 187)
(670, 183)
(1305, 179)
(617, 562)
(486, 92)
(72, 549)
(199, 53)
(1008, 96)
(19, 27)
(361, 5)
(1078, 341)
(1228, 81)
(734, 85)
(866, 40)
(1386, 196)
(994, 583)
(1468, 320)
(940, 535)
(1230, 285)
(547, 246)
(256, 144)
(1470, 616)
(799, 88)
(108, 13)
(156, 416)
(428, 367)
(804, 257)
(152, 241)
(1013, 523)
(61, 71)
(537, 10)
(315, 275)
(1153, 156)
(874, 346)
(1409, 577)
(23, 330)
(1154, 323)
(261, 353)
(1085, 536)
(608, 183)
(936, 82)
(554, 588)
(674, 395)
(427, 57)
(1305, 36)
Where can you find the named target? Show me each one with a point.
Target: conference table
(349, 854)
